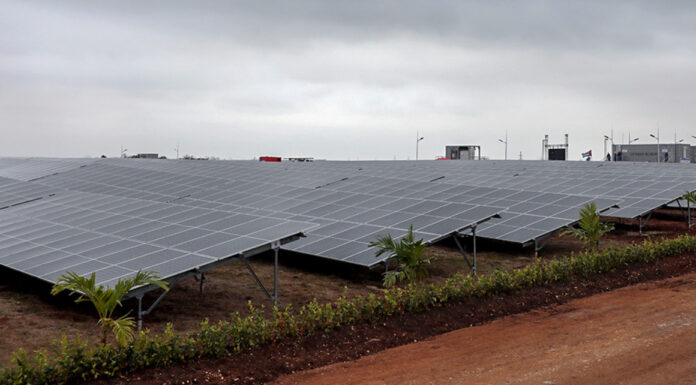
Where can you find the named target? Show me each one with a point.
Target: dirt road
(643, 334)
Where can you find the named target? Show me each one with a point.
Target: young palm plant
(408, 252)
(589, 229)
(106, 300)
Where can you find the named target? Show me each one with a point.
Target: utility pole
(418, 139)
(605, 146)
(658, 143)
(177, 150)
(676, 142)
(612, 157)
(504, 142)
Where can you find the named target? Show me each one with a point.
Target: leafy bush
(74, 360)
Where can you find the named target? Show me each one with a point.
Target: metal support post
(473, 234)
(256, 278)
(686, 213)
(275, 277)
(140, 313)
(540, 245)
(642, 223)
(202, 279)
(149, 310)
(472, 264)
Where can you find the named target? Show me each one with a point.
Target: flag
(587, 154)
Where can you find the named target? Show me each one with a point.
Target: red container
(270, 159)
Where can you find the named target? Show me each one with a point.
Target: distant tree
(106, 300)
(408, 252)
(589, 229)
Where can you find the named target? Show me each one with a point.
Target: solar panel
(49, 247)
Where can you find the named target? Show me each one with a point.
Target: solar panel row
(354, 202)
(348, 220)
(635, 188)
(115, 237)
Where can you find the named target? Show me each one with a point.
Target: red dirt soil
(643, 334)
(267, 363)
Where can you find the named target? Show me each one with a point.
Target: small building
(463, 152)
(147, 156)
(668, 152)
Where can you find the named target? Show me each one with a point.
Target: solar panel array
(26, 169)
(115, 237)
(624, 189)
(348, 220)
(188, 207)
(525, 215)
(14, 192)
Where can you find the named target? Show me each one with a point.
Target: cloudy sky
(341, 80)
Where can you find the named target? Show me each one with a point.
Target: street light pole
(675, 145)
(658, 144)
(613, 158)
(504, 142)
(418, 139)
(605, 146)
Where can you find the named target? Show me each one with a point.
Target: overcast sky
(341, 80)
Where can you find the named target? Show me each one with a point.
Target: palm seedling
(408, 253)
(589, 229)
(107, 299)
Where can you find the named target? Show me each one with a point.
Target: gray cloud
(339, 79)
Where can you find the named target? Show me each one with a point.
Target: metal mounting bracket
(149, 310)
(686, 212)
(540, 242)
(642, 223)
(472, 264)
(274, 297)
(201, 280)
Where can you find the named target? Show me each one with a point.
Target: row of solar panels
(101, 229)
(371, 201)
(639, 188)
(634, 198)
(115, 237)
(200, 211)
